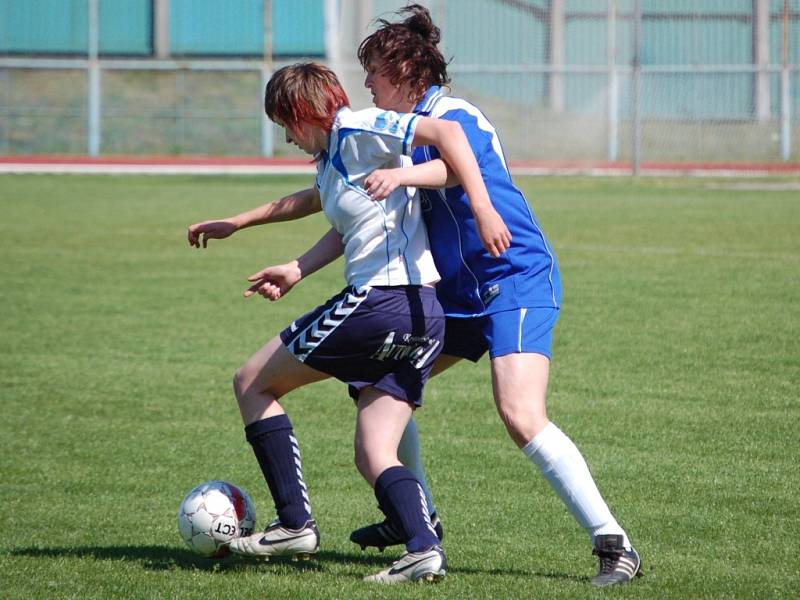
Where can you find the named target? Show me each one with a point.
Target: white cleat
(277, 540)
(427, 566)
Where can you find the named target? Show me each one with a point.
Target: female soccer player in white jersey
(506, 305)
(380, 335)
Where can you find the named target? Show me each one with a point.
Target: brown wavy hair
(409, 50)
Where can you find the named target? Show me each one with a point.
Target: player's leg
(409, 451)
(463, 338)
(410, 454)
(380, 423)
(384, 534)
(269, 374)
(519, 381)
(519, 385)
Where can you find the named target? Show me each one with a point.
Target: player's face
(304, 137)
(385, 94)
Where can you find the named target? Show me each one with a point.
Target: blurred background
(700, 81)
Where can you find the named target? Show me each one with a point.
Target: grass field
(676, 371)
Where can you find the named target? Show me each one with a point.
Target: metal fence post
(637, 86)
(332, 35)
(555, 56)
(93, 80)
(761, 91)
(267, 144)
(786, 97)
(6, 112)
(613, 82)
(161, 41)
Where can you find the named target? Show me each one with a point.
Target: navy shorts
(501, 333)
(384, 337)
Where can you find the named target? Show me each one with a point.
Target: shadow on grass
(160, 558)
(166, 558)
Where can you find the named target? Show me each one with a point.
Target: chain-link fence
(578, 80)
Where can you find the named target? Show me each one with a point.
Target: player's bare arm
(275, 282)
(294, 206)
(452, 143)
(433, 174)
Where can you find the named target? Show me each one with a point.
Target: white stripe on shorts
(522, 313)
(314, 334)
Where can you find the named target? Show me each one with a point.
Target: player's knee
(361, 460)
(368, 462)
(522, 423)
(249, 389)
(241, 383)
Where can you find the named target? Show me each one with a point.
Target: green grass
(676, 370)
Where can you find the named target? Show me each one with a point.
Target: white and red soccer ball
(214, 513)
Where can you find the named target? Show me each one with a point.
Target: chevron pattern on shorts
(313, 335)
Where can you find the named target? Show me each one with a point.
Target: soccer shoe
(427, 566)
(385, 534)
(617, 565)
(277, 540)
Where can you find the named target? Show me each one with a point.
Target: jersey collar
(429, 100)
(322, 155)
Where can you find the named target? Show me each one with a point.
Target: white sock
(410, 455)
(562, 465)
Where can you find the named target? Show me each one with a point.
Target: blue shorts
(501, 333)
(384, 337)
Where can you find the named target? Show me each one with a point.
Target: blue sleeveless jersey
(473, 282)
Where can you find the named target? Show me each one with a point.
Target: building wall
(197, 27)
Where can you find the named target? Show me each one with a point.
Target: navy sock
(401, 498)
(278, 455)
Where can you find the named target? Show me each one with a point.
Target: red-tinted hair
(304, 93)
(409, 51)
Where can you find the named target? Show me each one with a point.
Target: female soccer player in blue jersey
(380, 335)
(506, 305)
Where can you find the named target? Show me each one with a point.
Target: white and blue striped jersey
(473, 282)
(385, 243)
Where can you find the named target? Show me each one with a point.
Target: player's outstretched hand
(209, 230)
(382, 182)
(274, 282)
(493, 232)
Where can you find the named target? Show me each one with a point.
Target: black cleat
(383, 535)
(617, 565)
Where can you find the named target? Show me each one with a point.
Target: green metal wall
(197, 27)
(212, 27)
(61, 26)
(235, 27)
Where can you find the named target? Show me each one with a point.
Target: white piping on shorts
(522, 313)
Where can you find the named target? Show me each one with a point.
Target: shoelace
(607, 564)
(608, 559)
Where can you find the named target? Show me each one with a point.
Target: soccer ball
(214, 513)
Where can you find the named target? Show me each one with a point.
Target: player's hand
(274, 282)
(382, 182)
(209, 230)
(493, 232)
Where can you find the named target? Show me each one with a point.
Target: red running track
(42, 163)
